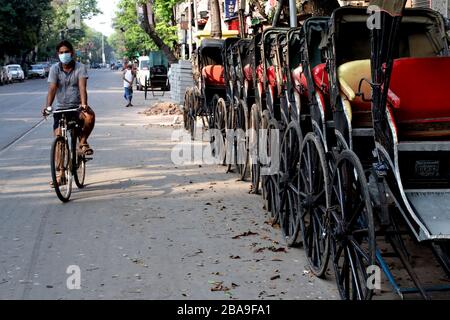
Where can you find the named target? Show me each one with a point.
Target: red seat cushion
(320, 76)
(248, 72)
(259, 73)
(422, 85)
(271, 78)
(300, 80)
(214, 75)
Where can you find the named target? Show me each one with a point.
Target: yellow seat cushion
(350, 75)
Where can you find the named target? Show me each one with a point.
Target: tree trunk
(148, 24)
(324, 7)
(216, 22)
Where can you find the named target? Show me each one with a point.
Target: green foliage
(27, 24)
(20, 24)
(164, 9)
(57, 23)
(130, 39)
(89, 47)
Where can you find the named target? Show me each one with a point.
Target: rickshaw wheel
(288, 184)
(187, 101)
(212, 112)
(351, 227)
(230, 142)
(262, 148)
(192, 114)
(314, 189)
(241, 140)
(271, 180)
(219, 124)
(255, 122)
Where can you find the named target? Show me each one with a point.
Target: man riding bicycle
(68, 83)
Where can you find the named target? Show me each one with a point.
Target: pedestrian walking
(128, 79)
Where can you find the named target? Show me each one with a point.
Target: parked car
(117, 66)
(143, 72)
(15, 72)
(47, 66)
(3, 76)
(37, 71)
(96, 65)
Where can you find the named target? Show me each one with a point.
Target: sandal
(86, 149)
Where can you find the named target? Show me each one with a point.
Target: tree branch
(148, 24)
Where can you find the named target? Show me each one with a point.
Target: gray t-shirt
(68, 93)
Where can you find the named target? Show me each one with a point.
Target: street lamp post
(190, 29)
(103, 46)
(184, 28)
(103, 50)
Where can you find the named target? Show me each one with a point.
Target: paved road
(19, 108)
(143, 228)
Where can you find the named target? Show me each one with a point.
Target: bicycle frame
(66, 127)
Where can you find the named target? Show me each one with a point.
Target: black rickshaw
(210, 86)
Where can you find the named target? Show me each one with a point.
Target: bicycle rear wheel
(60, 161)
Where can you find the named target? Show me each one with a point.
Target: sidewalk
(143, 228)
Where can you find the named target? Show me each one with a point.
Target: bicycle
(65, 158)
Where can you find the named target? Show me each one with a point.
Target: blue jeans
(128, 94)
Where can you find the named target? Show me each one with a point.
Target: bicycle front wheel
(60, 161)
(78, 163)
(79, 172)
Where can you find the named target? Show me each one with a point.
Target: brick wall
(180, 78)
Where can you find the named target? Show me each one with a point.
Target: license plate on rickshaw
(427, 168)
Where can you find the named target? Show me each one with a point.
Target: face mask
(65, 58)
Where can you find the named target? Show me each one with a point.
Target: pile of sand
(163, 108)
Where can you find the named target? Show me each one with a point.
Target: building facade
(443, 6)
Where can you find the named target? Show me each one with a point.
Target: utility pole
(292, 13)
(184, 28)
(103, 50)
(103, 46)
(241, 15)
(191, 48)
(195, 16)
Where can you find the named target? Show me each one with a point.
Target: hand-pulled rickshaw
(383, 169)
(274, 116)
(305, 136)
(200, 100)
(243, 100)
(363, 125)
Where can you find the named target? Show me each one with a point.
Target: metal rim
(289, 189)
(352, 234)
(255, 123)
(314, 203)
(61, 147)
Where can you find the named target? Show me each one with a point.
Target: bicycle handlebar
(50, 110)
(67, 110)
